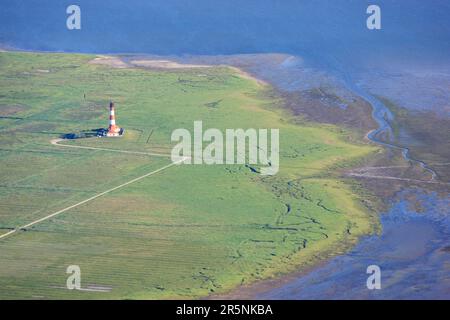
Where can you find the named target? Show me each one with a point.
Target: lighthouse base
(118, 133)
(113, 134)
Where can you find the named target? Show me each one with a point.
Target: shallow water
(412, 253)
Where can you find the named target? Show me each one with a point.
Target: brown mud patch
(387, 173)
(319, 105)
(11, 110)
(248, 76)
(426, 134)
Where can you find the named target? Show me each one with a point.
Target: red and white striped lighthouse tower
(113, 129)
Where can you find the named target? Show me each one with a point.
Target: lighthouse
(113, 129)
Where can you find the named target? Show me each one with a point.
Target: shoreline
(251, 291)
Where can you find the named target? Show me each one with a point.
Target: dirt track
(56, 142)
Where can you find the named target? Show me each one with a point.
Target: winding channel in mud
(380, 112)
(412, 251)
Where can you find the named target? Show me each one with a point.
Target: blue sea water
(411, 28)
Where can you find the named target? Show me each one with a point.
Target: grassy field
(188, 231)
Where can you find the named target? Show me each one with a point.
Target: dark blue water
(413, 253)
(410, 28)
